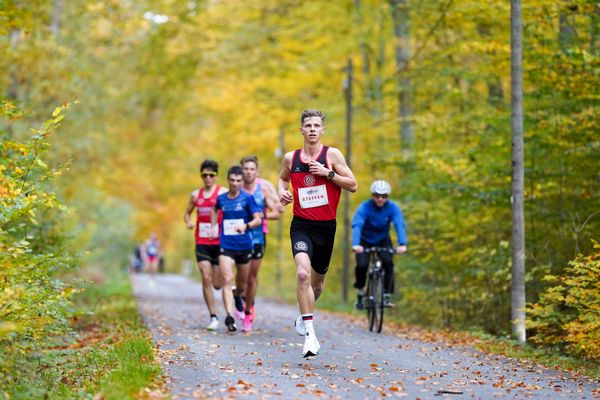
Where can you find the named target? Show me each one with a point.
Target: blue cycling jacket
(371, 224)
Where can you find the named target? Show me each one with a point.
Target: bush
(34, 301)
(568, 313)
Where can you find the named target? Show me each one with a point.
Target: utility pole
(347, 227)
(518, 175)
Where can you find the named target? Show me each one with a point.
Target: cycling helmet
(380, 187)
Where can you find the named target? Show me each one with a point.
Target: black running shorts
(258, 251)
(208, 252)
(239, 256)
(314, 238)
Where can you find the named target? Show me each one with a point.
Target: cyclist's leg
(360, 274)
(388, 278)
(388, 266)
(360, 271)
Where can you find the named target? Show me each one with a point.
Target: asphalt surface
(353, 363)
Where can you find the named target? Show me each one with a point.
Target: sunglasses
(380, 196)
(208, 174)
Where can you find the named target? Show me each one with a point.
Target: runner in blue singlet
(266, 198)
(240, 215)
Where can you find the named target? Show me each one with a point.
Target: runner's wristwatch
(330, 175)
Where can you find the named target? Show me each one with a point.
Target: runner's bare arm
(189, 210)
(274, 207)
(213, 221)
(283, 183)
(343, 177)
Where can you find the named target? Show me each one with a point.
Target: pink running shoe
(239, 315)
(247, 323)
(252, 313)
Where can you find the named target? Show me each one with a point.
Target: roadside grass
(109, 356)
(549, 357)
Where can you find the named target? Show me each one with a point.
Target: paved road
(353, 363)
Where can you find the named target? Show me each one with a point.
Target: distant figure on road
(136, 261)
(152, 252)
(203, 201)
(240, 215)
(371, 228)
(317, 173)
(266, 199)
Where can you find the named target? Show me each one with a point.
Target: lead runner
(318, 173)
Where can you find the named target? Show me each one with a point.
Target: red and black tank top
(315, 197)
(203, 207)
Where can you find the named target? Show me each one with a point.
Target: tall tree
(518, 175)
(402, 52)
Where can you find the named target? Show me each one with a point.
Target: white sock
(308, 323)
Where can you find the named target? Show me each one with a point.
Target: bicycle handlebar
(377, 249)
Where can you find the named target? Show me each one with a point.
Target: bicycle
(374, 298)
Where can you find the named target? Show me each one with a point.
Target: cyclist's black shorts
(208, 252)
(258, 251)
(239, 256)
(314, 238)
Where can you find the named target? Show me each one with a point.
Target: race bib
(313, 196)
(204, 230)
(229, 226)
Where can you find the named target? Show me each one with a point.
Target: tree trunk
(402, 53)
(347, 226)
(364, 54)
(518, 176)
(55, 25)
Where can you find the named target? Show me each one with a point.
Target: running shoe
(359, 302)
(247, 323)
(214, 324)
(239, 303)
(299, 326)
(252, 313)
(230, 322)
(311, 345)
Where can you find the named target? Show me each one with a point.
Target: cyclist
(240, 216)
(317, 174)
(266, 198)
(371, 227)
(207, 249)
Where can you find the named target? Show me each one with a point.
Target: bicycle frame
(375, 278)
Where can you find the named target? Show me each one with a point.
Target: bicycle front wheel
(379, 304)
(375, 309)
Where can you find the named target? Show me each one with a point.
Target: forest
(109, 107)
